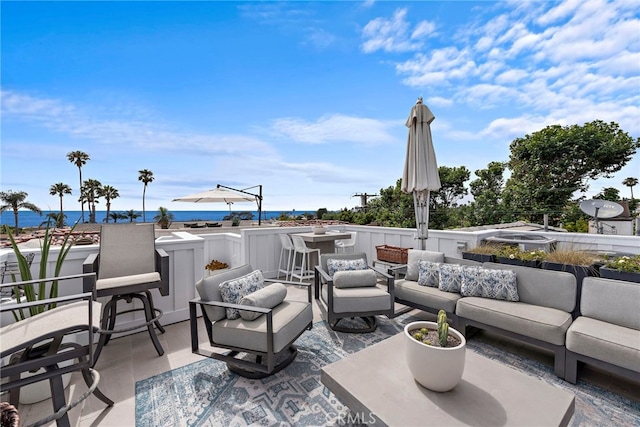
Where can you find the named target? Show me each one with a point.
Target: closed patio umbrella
(420, 175)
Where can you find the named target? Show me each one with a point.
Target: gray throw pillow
(232, 291)
(415, 255)
(267, 297)
(354, 278)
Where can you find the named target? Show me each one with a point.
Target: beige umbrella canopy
(420, 175)
(216, 195)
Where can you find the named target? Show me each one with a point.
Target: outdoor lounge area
(182, 388)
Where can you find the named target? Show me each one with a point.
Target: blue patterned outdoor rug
(205, 393)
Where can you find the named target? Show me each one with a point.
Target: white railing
(260, 247)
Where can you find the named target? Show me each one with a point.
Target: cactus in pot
(443, 328)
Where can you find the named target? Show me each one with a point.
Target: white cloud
(395, 35)
(333, 128)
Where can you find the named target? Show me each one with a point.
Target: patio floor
(132, 358)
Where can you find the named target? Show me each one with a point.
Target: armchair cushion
(428, 273)
(355, 278)
(336, 264)
(415, 255)
(232, 291)
(267, 297)
(209, 289)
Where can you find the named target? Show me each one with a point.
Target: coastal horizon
(28, 219)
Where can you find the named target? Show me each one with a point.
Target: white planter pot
(436, 368)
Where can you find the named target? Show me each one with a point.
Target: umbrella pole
(421, 207)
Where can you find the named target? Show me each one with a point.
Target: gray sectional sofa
(607, 334)
(542, 315)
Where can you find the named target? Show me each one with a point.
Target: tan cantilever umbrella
(216, 195)
(420, 175)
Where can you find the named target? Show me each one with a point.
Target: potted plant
(163, 218)
(215, 266)
(435, 353)
(625, 267)
(515, 256)
(235, 221)
(482, 253)
(36, 392)
(577, 262)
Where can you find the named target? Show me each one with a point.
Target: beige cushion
(358, 300)
(354, 278)
(267, 297)
(424, 295)
(48, 324)
(117, 282)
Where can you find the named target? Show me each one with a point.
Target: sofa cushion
(208, 289)
(471, 285)
(605, 341)
(355, 278)
(415, 255)
(450, 277)
(542, 323)
(545, 288)
(428, 273)
(336, 264)
(232, 291)
(487, 283)
(612, 301)
(267, 297)
(425, 296)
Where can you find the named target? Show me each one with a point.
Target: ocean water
(32, 219)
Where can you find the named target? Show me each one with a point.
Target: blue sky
(307, 99)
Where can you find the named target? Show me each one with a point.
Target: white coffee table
(377, 385)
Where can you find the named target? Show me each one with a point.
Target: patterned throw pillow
(428, 273)
(334, 265)
(472, 278)
(500, 284)
(450, 278)
(232, 291)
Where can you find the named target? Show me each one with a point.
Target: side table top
(376, 384)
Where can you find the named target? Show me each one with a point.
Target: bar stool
(306, 270)
(343, 245)
(287, 246)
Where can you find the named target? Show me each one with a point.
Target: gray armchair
(128, 266)
(39, 342)
(352, 293)
(258, 347)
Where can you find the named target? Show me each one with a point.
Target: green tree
(146, 176)
(15, 200)
(60, 189)
(79, 158)
(393, 208)
(132, 215)
(443, 203)
(486, 207)
(109, 193)
(630, 182)
(115, 216)
(90, 193)
(549, 166)
(608, 193)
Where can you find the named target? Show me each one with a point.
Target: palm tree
(60, 189)
(90, 193)
(146, 176)
(115, 216)
(164, 217)
(16, 200)
(630, 182)
(79, 158)
(109, 193)
(131, 214)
